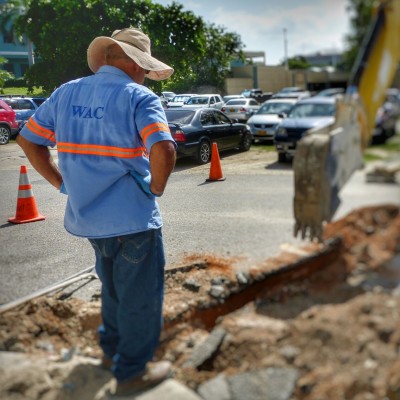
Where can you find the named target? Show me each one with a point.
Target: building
(321, 59)
(17, 54)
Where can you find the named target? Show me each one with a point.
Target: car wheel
(5, 134)
(281, 157)
(203, 155)
(246, 142)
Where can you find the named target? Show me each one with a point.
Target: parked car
(257, 94)
(24, 107)
(194, 131)
(240, 109)
(167, 95)
(232, 96)
(385, 123)
(180, 99)
(205, 100)
(387, 116)
(331, 92)
(264, 123)
(8, 123)
(314, 112)
(292, 92)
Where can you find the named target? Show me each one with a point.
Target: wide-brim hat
(136, 46)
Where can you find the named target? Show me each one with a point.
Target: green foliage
(298, 62)
(18, 82)
(360, 18)
(24, 91)
(62, 30)
(221, 47)
(4, 75)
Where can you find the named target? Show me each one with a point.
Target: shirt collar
(108, 69)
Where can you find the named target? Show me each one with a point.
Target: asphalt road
(247, 217)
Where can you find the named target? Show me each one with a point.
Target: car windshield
(39, 101)
(236, 103)
(182, 117)
(275, 108)
(198, 100)
(180, 99)
(312, 110)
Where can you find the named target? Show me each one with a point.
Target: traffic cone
(215, 167)
(26, 204)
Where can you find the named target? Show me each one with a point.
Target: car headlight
(281, 131)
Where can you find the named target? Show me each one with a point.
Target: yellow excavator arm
(326, 157)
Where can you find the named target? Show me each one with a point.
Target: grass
(384, 151)
(23, 92)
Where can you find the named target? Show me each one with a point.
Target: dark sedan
(194, 131)
(314, 112)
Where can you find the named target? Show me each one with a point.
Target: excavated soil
(331, 311)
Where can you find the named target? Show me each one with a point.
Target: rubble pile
(321, 321)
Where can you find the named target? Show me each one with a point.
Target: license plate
(232, 110)
(262, 133)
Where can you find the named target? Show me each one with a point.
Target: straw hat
(136, 46)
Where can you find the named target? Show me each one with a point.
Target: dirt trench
(331, 311)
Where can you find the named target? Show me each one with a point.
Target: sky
(306, 26)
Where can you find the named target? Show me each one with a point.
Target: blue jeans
(131, 269)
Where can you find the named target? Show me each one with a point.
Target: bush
(17, 82)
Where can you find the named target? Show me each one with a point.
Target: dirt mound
(329, 311)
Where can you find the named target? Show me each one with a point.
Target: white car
(240, 109)
(167, 95)
(205, 100)
(264, 123)
(180, 99)
(232, 96)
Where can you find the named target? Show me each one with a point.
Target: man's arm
(162, 162)
(41, 159)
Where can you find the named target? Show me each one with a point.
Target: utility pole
(285, 48)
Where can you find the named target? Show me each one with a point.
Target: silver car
(264, 123)
(205, 100)
(240, 109)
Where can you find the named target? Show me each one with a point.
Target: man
(115, 155)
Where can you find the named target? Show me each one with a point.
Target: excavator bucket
(325, 159)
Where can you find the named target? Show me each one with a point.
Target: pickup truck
(257, 94)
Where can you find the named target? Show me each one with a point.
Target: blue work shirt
(104, 126)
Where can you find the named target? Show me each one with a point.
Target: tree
(62, 30)
(220, 49)
(298, 62)
(360, 18)
(4, 75)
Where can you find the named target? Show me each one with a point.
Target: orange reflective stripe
(98, 150)
(150, 129)
(35, 128)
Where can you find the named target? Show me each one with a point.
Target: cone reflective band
(26, 205)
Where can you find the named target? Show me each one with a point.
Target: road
(247, 217)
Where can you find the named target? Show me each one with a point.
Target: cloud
(311, 25)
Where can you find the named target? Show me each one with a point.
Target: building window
(8, 36)
(24, 68)
(9, 67)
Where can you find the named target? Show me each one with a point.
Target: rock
(265, 384)
(207, 349)
(215, 389)
(169, 390)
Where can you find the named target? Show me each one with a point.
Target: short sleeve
(40, 128)
(151, 121)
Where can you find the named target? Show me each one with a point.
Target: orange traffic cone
(26, 204)
(215, 168)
